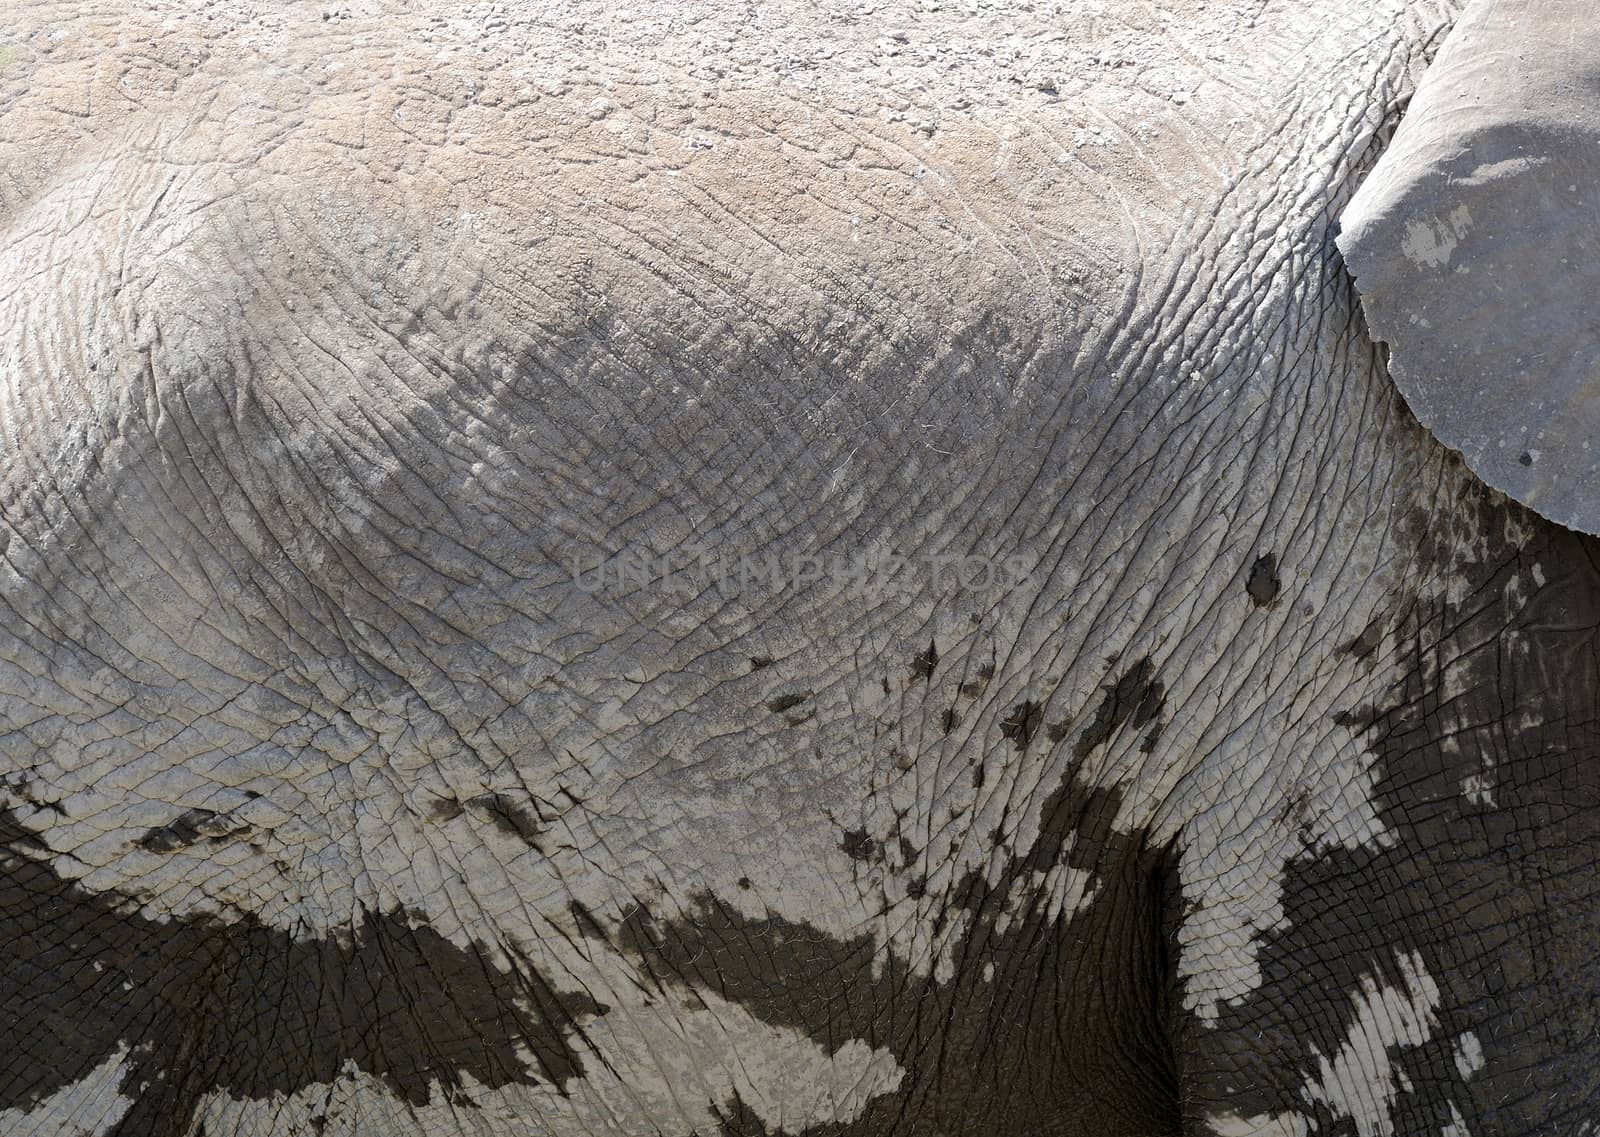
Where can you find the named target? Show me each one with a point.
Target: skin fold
(758, 570)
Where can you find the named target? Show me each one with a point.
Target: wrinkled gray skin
(1476, 249)
(1247, 782)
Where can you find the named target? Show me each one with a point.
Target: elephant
(937, 569)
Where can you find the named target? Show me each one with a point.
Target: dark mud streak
(1501, 900)
(974, 687)
(590, 927)
(1074, 1032)
(858, 846)
(1368, 641)
(182, 831)
(1022, 723)
(445, 809)
(510, 816)
(736, 1119)
(924, 663)
(1263, 584)
(1137, 697)
(249, 1009)
(787, 702)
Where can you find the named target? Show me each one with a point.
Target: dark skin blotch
(509, 816)
(182, 831)
(1263, 584)
(785, 702)
(1137, 697)
(736, 1119)
(924, 663)
(1072, 1029)
(1496, 895)
(1360, 719)
(857, 845)
(188, 828)
(588, 926)
(445, 809)
(1022, 723)
(1368, 641)
(251, 1010)
(908, 851)
(975, 686)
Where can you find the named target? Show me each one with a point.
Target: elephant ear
(1475, 244)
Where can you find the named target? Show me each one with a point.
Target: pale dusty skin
(333, 336)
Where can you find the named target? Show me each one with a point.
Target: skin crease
(344, 793)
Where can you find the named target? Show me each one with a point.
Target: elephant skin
(759, 570)
(1475, 245)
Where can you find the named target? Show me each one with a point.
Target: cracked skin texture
(322, 368)
(398, 1001)
(1484, 754)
